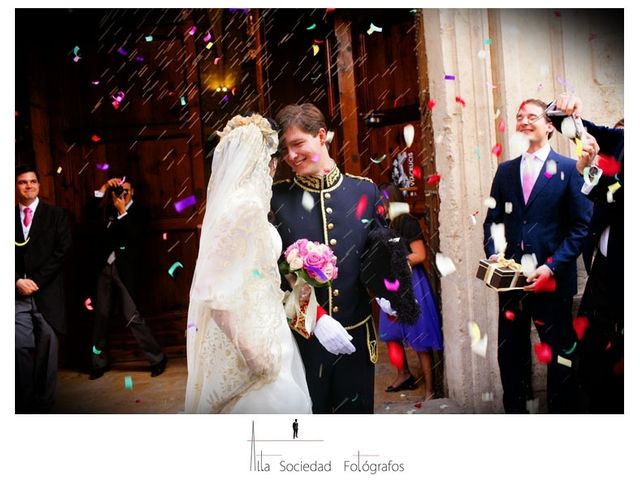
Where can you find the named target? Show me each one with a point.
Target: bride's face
(304, 153)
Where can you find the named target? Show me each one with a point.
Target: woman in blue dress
(425, 335)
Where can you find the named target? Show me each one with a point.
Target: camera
(118, 191)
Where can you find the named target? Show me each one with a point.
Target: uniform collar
(318, 184)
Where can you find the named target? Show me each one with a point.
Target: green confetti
(379, 160)
(183, 101)
(96, 351)
(173, 267)
(311, 27)
(487, 41)
(570, 351)
(149, 38)
(128, 382)
(256, 273)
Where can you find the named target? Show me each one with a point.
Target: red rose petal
(396, 354)
(580, 325)
(543, 352)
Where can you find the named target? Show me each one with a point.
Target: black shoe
(159, 367)
(408, 384)
(97, 372)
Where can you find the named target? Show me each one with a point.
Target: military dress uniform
(342, 217)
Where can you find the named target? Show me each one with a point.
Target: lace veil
(235, 301)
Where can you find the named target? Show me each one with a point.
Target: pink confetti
(509, 315)
(192, 31)
(540, 323)
(207, 37)
(216, 60)
(431, 104)
(361, 206)
(501, 126)
(392, 286)
(497, 150)
(87, 304)
(164, 236)
(102, 166)
(543, 352)
(380, 210)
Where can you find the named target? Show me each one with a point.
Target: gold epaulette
(359, 178)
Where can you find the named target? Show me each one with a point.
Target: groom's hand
(333, 336)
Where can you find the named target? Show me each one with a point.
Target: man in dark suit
(538, 200)
(42, 242)
(602, 347)
(118, 251)
(341, 214)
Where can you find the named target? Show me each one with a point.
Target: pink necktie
(528, 178)
(27, 217)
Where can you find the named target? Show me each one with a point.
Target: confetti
(570, 350)
(417, 172)
(128, 382)
(355, 398)
(378, 160)
(256, 274)
(418, 405)
(373, 28)
(609, 196)
(391, 286)
(87, 304)
(496, 114)
(529, 264)
(487, 396)
(449, 77)
(498, 237)
(545, 285)
(95, 82)
(509, 315)
(444, 264)
(307, 201)
(487, 41)
(473, 220)
(501, 126)
(207, 37)
(59, 170)
(497, 150)
(316, 49)
(173, 268)
(480, 347)
(216, 60)
(397, 208)
(366, 221)
(192, 31)
(139, 58)
(95, 138)
(311, 27)
(123, 52)
(461, 101)
(164, 236)
(540, 323)
(433, 179)
(482, 54)
(183, 101)
(552, 169)
(543, 352)
(96, 351)
(361, 206)
(149, 38)
(408, 132)
(532, 406)
(609, 165)
(18, 244)
(180, 205)
(431, 104)
(395, 351)
(209, 45)
(564, 361)
(518, 144)
(102, 166)
(580, 325)
(474, 331)
(490, 202)
(508, 207)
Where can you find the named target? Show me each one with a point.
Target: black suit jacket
(122, 236)
(42, 258)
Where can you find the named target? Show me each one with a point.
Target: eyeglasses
(530, 118)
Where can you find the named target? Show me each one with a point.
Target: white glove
(385, 306)
(333, 336)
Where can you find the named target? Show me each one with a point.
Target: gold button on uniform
(330, 226)
(335, 309)
(333, 241)
(329, 210)
(327, 195)
(336, 292)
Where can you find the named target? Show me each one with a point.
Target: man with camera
(118, 250)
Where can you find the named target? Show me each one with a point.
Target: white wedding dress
(241, 355)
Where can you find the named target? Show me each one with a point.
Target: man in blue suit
(538, 200)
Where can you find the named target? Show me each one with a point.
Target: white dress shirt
(538, 157)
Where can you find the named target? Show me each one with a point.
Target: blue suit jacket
(554, 223)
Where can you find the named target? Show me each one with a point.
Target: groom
(343, 206)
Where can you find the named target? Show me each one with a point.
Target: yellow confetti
(474, 331)
(18, 244)
(316, 49)
(613, 188)
(209, 45)
(564, 361)
(578, 146)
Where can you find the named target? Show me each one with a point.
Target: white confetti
(497, 114)
(552, 168)
(480, 347)
(499, 238)
(445, 264)
(307, 201)
(508, 207)
(529, 264)
(482, 54)
(532, 406)
(397, 208)
(518, 144)
(439, 138)
(474, 331)
(490, 202)
(473, 219)
(562, 176)
(564, 361)
(487, 396)
(609, 196)
(568, 127)
(408, 133)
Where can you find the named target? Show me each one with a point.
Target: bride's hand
(305, 293)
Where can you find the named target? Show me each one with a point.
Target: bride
(241, 355)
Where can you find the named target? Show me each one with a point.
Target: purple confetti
(139, 58)
(318, 272)
(102, 166)
(449, 77)
(123, 52)
(392, 286)
(180, 205)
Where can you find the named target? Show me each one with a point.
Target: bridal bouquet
(314, 264)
